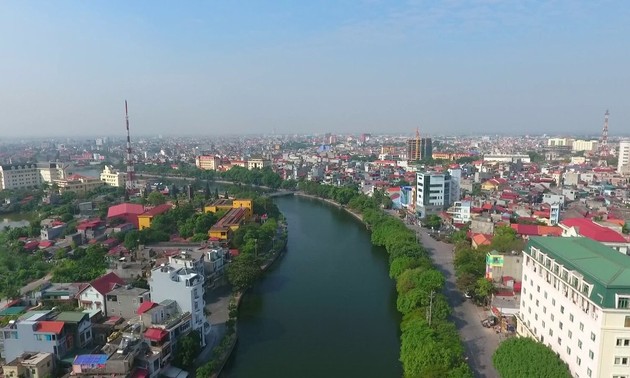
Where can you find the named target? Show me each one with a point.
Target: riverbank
(228, 341)
(416, 274)
(331, 202)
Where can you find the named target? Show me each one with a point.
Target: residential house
(32, 365)
(125, 300)
(34, 332)
(93, 298)
(78, 327)
(582, 227)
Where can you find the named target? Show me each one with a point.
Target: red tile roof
(158, 210)
(50, 327)
(123, 209)
(155, 334)
(145, 306)
(592, 230)
(107, 283)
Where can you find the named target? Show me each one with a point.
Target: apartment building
(51, 171)
(419, 148)
(623, 165)
(124, 301)
(185, 285)
(576, 299)
(78, 184)
(258, 163)
(19, 176)
(460, 212)
(92, 297)
(433, 192)
(208, 162)
(113, 177)
(585, 145)
(35, 332)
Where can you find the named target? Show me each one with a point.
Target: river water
(326, 309)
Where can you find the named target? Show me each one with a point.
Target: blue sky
(225, 67)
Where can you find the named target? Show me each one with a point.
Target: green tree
(188, 348)
(433, 222)
(524, 357)
(505, 239)
(625, 229)
(484, 289)
(156, 198)
(243, 271)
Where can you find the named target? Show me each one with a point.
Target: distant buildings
(585, 145)
(145, 219)
(208, 162)
(623, 165)
(576, 299)
(78, 184)
(35, 365)
(258, 163)
(419, 148)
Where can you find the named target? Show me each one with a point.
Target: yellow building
(230, 222)
(208, 162)
(225, 204)
(78, 184)
(145, 219)
(33, 365)
(258, 163)
(112, 177)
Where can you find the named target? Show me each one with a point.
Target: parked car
(490, 321)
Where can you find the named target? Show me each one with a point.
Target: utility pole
(430, 309)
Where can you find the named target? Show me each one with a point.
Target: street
(480, 342)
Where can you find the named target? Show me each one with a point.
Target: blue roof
(90, 359)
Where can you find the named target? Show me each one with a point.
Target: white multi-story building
(18, 176)
(623, 165)
(433, 192)
(555, 142)
(52, 171)
(460, 211)
(585, 145)
(456, 182)
(182, 280)
(576, 299)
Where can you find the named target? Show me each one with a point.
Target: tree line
(430, 344)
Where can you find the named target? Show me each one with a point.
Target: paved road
(480, 342)
(217, 302)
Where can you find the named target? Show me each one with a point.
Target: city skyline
(482, 67)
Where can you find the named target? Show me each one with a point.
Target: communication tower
(604, 151)
(130, 185)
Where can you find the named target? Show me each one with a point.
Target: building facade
(52, 171)
(185, 285)
(419, 148)
(576, 299)
(19, 176)
(460, 212)
(208, 162)
(585, 145)
(258, 163)
(623, 165)
(433, 192)
(113, 177)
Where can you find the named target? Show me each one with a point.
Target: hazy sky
(217, 67)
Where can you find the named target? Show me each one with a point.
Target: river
(326, 309)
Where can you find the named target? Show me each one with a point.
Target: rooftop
(592, 230)
(71, 316)
(157, 210)
(601, 265)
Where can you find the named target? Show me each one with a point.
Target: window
(580, 344)
(562, 309)
(627, 322)
(571, 317)
(543, 324)
(591, 354)
(570, 334)
(592, 336)
(581, 326)
(559, 341)
(552, 317)
(538, 288)
(568, 351)
(545, 294)
(560, 325)
(550, 332)
(623, 342)
(544, 310)
(579, 361)
(553, 302)
(621, 361)
(623, 302)
(589, 372)
(536, 316)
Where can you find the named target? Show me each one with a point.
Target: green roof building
(575, 298)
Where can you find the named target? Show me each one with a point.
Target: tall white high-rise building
(182, 280)
(575, 298)
(433, 192)
(623, 166)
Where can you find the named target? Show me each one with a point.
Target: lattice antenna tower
(603, 144)
(130, 184)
